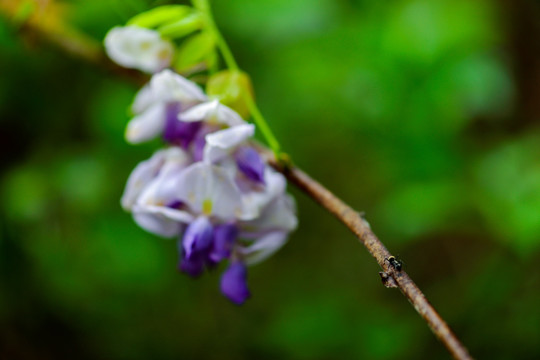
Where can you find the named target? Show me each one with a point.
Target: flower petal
(161, 163)
(209, 190)
(143, 100)
(224, 237)
(138, 48)
(147, 125)
(234, 283)
(140, 177)
(178, 132)
(198, 237)
(212, 112)
(221, 143)
(279, 215)
(156, 223)
(168, 86)
(250, 163)
(193, 266)
(264, 247)
(256, 199)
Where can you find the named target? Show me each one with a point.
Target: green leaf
(232, 88)
(194, 50)
(160, 15)
(182, 27)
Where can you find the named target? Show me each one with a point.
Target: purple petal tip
(234, 283)
(198, 237)
(250, 163)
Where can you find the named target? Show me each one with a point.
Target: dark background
(424, 114)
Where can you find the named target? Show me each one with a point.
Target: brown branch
(391, 276)
(81, 47)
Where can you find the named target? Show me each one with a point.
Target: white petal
(138, 48)
(209, 190)
(221, 143)
(165, 213)
(147, 125)
(157, 223)
(145, 174)
(169, 86)
(162, 189)
(150, 210)
(253, 202)
(279, 215)
(157, 57)
(143, 100)
(140, 177)
(212, 112)
(264, 247)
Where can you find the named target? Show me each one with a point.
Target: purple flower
(193, 266)
(211, 189)
(157, 106)
(224, 238)
(198, 237)
(178, 132)
(234, 283)
(250, 163)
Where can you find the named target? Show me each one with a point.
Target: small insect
(395, 262)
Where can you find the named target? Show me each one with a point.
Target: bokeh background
(424, 114)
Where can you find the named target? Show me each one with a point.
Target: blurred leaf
(416, 209)
(82, 181)
(278, 20)
(508, 192)
(421, 31)
(232, 88)
(26, 193)
(194, 50)
(160, 15)
(182, 27)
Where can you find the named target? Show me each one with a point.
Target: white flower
(146, 179)
(139, 48)
(147, 125)
(213, 113)
(168, 86)
(221, 144)
(260, 184)
(270, 230)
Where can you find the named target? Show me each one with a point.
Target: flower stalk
(230, 62)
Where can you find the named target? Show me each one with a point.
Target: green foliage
(508, 177)
(182, 27)
(160, 16)
(194, 50)
(408, 110)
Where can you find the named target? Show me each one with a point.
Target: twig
(361, 228)
(80, 47)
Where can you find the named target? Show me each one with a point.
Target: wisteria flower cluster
(208, 187)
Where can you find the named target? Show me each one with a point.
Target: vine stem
(80, 47)
(204, 7)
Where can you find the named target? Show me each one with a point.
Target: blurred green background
(424, 114)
